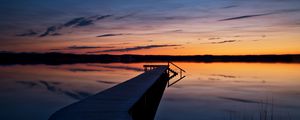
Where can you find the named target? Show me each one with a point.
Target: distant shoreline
(10, 58)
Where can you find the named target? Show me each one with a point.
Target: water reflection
(234, 91)
(35, 92)
(53, 87)
(211, 91)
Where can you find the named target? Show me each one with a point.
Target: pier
(134, 99)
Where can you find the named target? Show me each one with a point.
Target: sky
(156, 27)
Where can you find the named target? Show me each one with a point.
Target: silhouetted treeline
(7, 58)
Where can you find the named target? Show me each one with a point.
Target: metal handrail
(169, 70)
(175, 73)
(169, 62)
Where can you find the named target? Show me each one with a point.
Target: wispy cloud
(111, 35)
(73, 23)
(222, 42)
(82, 47)
(84, 70)
(150, 33)
(214, 38)
(88, 47)
(125, 16)
(263, 14)
(230, 6)
(84, 21)
(76, 22)
(134, 48)
(243, 17)
(286, 11)
(51, 30)
(28, 33)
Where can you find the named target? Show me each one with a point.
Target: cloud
(135, 48)
(120, 34)
(221, 42)
(258, 15)
(111, 35)
(84, 70)
(286, 11)
(125, 16)
(84, 21)
(50, 30)
(244, 17)
(123, 43)
(103, 17)
(28, 33)
(214, 38)
(81, 47)
(86, 47)
(230, 6)
(73, 23)
(56, 34)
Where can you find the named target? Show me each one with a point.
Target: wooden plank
(113, 103)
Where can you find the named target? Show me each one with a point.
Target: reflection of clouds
(177, 86)
(50, 87)
(27, 83)
(54, 88)
(106, 82)
(239, 100)
(80, 69)
(214, 79)
(235, 79)
(118, 67)
(169, 99)
(248, 81)
(84, 70)
(225, 76)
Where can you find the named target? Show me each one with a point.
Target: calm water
(211, 91)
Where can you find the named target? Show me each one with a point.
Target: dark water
(211, 91)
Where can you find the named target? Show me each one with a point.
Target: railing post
(180, 73)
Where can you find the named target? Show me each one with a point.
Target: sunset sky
(161, 27)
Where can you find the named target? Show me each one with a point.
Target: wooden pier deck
(137, 98)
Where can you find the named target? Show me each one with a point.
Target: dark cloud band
(135, 48)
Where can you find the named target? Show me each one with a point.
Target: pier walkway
(135, 99)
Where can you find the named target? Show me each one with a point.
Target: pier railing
(172, 73)
(181, 71)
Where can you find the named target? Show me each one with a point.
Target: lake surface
(211, 91)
